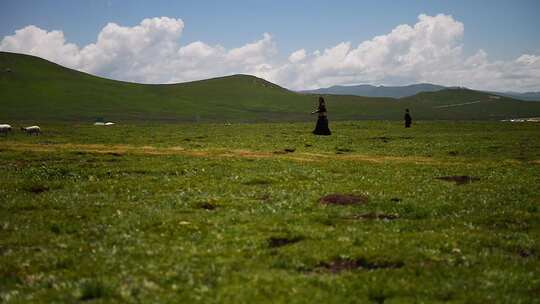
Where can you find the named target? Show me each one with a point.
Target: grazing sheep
(32, 130)
(109, 123)
(5, 129)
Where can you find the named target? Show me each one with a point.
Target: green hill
(34, 89)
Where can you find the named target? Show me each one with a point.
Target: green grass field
(182, 213)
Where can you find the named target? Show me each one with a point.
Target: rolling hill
(34, 90)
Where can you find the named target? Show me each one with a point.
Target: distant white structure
(99, 123)
(36, 130)
(110, 123)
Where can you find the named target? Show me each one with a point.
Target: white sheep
(5, 129)
(32, 130)
(109, 123)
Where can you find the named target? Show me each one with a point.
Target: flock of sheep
(5, 129)
(31, 130)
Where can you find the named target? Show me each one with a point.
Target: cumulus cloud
(152, 52)
(35, 41)
(297, 56)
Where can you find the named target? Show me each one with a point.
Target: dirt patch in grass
(459, 179)
(285, 151)
(343, 199)
(343, 150)
(373, 216)
(525, 252)
(257, 181)
(207, 206)
(275, 242)
(36, 188)
(265, 198)
(340, 265)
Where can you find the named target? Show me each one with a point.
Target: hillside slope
(33, 90)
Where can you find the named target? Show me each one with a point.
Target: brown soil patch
(207, 206)
(275, 242)
(285, 151)
(459, 179)
(257, 181)
(343, 150)
(265, 198)
(37, 189)
(339, 265)
(343, 199)
(525, 252)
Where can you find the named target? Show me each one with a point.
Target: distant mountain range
(405, 91)
(378, 91)
(528, 96)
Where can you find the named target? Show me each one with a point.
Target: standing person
(322, 122)
(408, 119)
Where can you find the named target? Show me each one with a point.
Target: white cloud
(297, 56)
(35, 41)
(151, 52)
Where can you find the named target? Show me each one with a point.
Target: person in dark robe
(408, 119)
(322, 122)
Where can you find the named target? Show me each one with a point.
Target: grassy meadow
(214, 213)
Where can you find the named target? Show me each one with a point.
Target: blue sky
(504, 30)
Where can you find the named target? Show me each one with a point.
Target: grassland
(33, 90)
(182, 213)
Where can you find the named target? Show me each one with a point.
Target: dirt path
(457, 104)
(218, 153)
